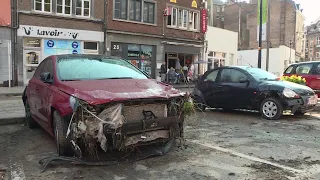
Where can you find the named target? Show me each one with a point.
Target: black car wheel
(60, 127)
(271, 109)
(30, 122)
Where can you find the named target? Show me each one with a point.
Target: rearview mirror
(46, 77)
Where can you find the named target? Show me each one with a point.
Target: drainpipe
(14, 27)
(105, 27)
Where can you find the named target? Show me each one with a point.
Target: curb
(9, 95)
(14, 120)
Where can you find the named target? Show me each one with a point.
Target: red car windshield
(87, 68)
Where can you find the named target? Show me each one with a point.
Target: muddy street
(219, 145)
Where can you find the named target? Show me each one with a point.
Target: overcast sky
(310, 9)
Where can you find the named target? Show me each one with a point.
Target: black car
(241, 87)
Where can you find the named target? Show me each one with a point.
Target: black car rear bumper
(300, 104)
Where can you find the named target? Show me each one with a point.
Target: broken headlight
(74, 103)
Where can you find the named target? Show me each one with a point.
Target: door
(33, 93)
(315, 78)
(236, 89)
(209, 88)
(45, 93)
(305, 70)
(31, 60)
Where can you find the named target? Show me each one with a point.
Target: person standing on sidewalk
(163, 71)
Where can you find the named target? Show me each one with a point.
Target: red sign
(204, 20)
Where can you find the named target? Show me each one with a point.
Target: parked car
(94, 100)
(308, 70)
(240, 87)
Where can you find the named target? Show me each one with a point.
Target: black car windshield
(260, 74)
(95, 68)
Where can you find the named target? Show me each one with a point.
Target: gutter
(105, 27)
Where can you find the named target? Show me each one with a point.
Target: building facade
(148, 32)
(5, 43)
(312, 46)
(48, 27)
(222, 48)
(287, 24)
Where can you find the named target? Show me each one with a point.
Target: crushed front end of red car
(125, 125)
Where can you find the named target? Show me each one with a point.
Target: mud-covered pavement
(219, 145)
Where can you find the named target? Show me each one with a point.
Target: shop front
(41, 42)
(178, 56)
(140, 55)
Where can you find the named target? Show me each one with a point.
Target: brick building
(139, 31)
(136, 30)
(312, 46)
(286, 24)
(47, 27)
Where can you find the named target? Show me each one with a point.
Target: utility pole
(268, 37)
(239, 34)
(260, 36)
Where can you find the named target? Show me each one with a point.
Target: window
(64, 7)
(43, 5)
(120, 9)
(184, 19)
(304, 69)
(148, 12)
(90, 45)
(212, 76)
(134, 8)
(317, 69)
(311, 43)
(83, 8)
(289, 70)
(232, 76)
(91, 68)
(318, 40)
(259, 74)
(318, 54)
(194, 20)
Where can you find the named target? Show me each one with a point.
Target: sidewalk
(13, 91)
(11, 111)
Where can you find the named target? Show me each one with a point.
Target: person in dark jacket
(163, 71)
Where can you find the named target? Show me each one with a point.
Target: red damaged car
(92, 102)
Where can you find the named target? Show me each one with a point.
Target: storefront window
(32, 58)
(133, 51)
(31, 42)
(146, 52)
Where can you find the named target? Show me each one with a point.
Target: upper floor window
(64, 7)
(183, 18)
(135, 10)
(83, 8)
(318, 40)
(43, 5)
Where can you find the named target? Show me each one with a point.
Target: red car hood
(104, 91)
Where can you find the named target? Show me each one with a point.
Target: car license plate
(313, 100)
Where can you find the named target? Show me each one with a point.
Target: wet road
(219, 145)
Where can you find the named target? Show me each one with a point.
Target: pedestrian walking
(163, 71)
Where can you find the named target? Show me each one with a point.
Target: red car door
(314, 79)
(44, 94)
(32, 93)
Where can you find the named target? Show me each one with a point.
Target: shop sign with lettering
(59, 33)
(203, 20)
